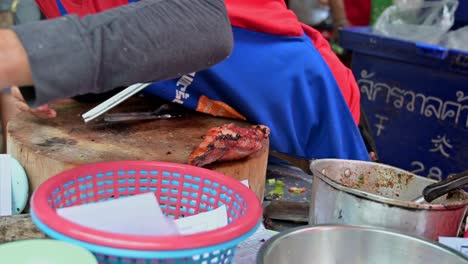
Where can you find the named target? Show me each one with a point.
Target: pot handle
(436, 190)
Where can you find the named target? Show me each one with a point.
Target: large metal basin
(328, 244)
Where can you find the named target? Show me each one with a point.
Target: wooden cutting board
(47, 147)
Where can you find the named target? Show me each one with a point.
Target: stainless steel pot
(366, 193)
(353, 245)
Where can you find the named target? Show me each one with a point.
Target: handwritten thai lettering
(399, 94)
(366, 85)
(383, 89)
(433, 172)
(411, 106)
(433, 109)
(454, 111)
(420, 166)
(440, 145)
(380, 126)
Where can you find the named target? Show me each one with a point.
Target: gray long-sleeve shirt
(147, 41)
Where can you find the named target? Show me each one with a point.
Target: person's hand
(338, 11)
(337, 26)
(42, 111)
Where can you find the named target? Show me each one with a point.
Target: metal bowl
(333, 244)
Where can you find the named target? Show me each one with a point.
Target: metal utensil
(113, 101)
(331, 244)
(165, 111)
(436, 190)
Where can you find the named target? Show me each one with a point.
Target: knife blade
(165, 111)
(113, 101)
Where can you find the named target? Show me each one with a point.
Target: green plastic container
(378, 6)
(39, 251)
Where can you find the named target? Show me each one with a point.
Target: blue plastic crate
(416, 99)
(461, 16)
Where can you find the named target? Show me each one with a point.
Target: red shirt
(358, 12)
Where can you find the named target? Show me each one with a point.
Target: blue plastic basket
(461, 16)
(182, 190)
(223, 253)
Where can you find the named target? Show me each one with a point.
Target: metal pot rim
(378, 198)
(270, 242)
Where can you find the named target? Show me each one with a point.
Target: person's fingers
(41, 112)
(373, 156)
(43, 108)
(44, 113)
(16, 93)
(51, 113)
(22, 106)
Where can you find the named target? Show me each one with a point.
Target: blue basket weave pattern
(179, 195)
(177, 198)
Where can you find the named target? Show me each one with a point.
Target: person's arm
(14, 65)
(147, 41)
(338, 12)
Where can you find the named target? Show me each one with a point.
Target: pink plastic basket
(182, 190)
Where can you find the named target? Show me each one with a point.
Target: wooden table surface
(18, 227)
(47, 147)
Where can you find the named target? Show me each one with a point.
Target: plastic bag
(456, 39)
(417, 20)
(409, 3)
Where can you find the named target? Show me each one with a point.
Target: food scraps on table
(297, 190)
(229, 142)
(278, 192)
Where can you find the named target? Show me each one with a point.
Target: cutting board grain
(47, 147)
